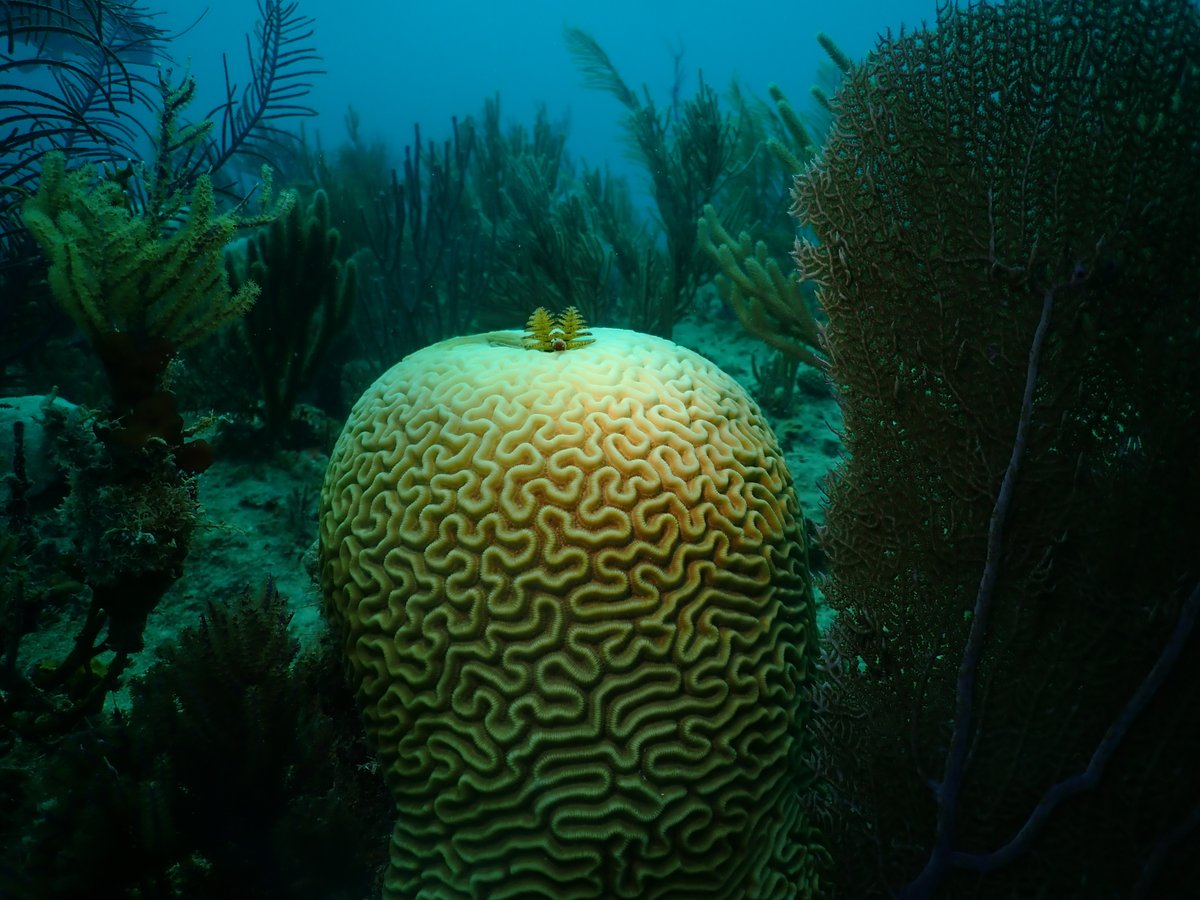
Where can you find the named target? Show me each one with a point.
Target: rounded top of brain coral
(499, 390)
(480, 434)
(476, 456)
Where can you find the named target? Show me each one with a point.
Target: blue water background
(398, 63)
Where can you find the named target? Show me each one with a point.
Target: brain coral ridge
(574, 596)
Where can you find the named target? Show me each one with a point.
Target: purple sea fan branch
(947, 790)
(943, 856)
(1090, 776)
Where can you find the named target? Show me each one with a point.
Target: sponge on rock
(574, 598)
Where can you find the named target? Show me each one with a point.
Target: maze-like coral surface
(574, 594)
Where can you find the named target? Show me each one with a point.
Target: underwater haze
(400, 63)
(605, 450)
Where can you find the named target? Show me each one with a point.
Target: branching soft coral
(157, 271)
(239, 771)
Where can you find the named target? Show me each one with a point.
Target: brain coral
(574, 595)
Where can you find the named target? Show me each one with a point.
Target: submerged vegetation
(239, 770)
(997, 285)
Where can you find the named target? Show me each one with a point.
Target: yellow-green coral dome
(574, 595)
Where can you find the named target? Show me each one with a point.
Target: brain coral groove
(574, 596)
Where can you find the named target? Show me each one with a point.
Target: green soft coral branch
(308, 294)
(769, 304)
(116, 269)
(802, 147)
